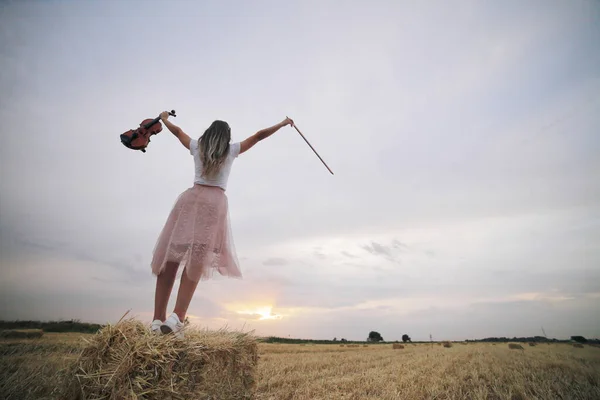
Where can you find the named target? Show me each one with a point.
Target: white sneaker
(173, 325)
(155, 326)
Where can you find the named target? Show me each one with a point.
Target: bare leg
(164, 286)
(187, 287)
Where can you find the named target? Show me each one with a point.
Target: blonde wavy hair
(214, 147)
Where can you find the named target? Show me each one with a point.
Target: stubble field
(32, 368)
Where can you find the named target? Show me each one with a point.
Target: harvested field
(35, 369)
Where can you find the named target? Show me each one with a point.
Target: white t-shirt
(221, 178)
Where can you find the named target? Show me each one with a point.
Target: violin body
(139, 138)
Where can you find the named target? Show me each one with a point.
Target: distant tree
(579, 339)
(335, 339)
(406, 338)
(374, 337)
(343, 340)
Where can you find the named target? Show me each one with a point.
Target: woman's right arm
(263, 134)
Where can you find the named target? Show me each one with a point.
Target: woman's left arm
(175, 130)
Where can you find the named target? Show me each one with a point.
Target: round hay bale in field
(397, 346)
(578, 345)
(21, 334)
(126, 361)
(447, 344)
(531, 344)
(514, 346)
(365, 345)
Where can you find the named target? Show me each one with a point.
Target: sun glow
(263, 313)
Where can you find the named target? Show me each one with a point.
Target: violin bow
(313, 149)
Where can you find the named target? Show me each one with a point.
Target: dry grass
(125, 360)
(31, 369)
(36, 368)
(480, 371)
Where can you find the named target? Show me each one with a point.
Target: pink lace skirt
(197, 236)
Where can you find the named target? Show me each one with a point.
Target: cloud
(378, 249)
(390, 252)
(318, 253)
(276, 261)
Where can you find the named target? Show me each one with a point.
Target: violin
(139, 138)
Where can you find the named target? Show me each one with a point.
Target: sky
(463, 137)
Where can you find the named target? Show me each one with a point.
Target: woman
(197, 232)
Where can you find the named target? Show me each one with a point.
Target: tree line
(73, 325)
(76, 325)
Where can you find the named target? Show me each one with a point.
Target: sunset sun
(263, 313)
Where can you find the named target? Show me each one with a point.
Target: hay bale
(447, 344)
(341, 345)
(531, 344)
(365, 345)
(126, 361)
(21, 334)
(578, 345)
(514, 346)
(397, 346)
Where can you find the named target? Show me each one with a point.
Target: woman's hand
(164, 115)
(287, 121)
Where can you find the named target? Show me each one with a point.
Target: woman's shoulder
(234, 149)
(193, 146)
